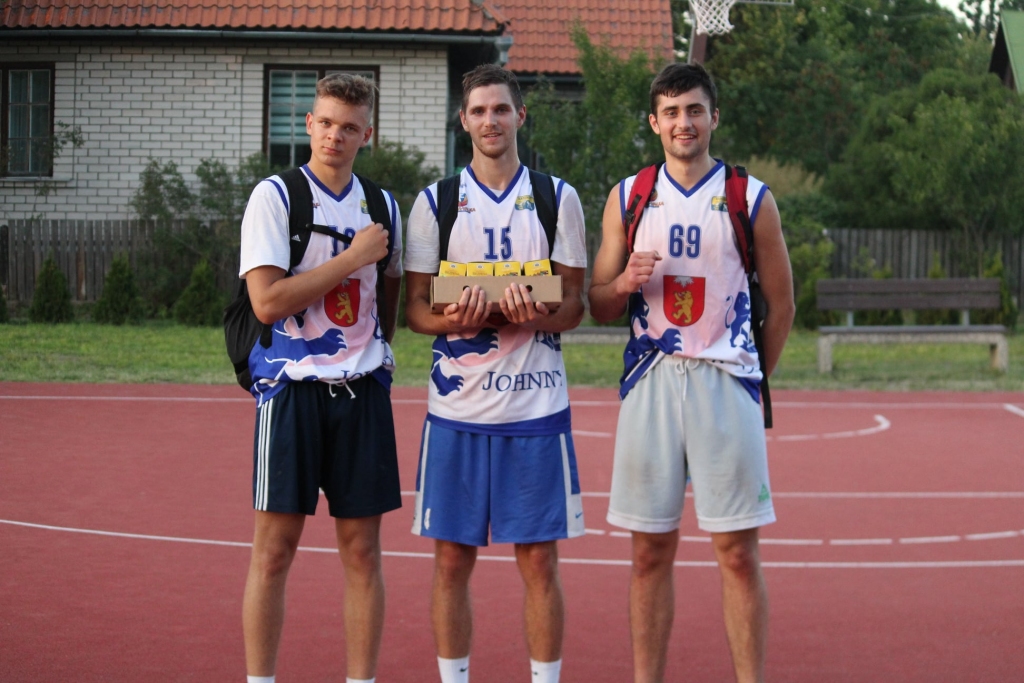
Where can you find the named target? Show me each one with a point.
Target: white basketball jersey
(338, 338)
(504, 380)
(697, 303)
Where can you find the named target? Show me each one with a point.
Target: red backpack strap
(640, 194)
(736, 202)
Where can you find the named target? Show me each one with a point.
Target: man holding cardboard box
(497, 453)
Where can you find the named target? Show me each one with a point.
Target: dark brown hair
(491, 74)
(676, 78)
(349, 88)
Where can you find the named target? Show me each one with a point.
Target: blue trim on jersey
(433, 206)
(325, 189)
(622, 200)
(633, 374)
(394, 209)
(555, 423)
(280, 191)
(700, 183)
(487, 190)
(757, 204)
(753, 387)
(558, 195)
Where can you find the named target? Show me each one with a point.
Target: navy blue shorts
(524, 489)
(314, 436)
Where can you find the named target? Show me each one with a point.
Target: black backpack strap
(547, 210)
(300, 213)
(447, 211)
(377, 205)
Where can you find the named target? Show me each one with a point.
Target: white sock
(545, 672)
(453, 670)
(260, 679)
(360, 680)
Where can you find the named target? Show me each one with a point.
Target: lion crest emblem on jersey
(342, 303)
(525, 203)
(684, 299)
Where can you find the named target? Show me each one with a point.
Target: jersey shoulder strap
(639, 195)
(547, 210)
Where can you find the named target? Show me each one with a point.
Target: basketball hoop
(711, 18)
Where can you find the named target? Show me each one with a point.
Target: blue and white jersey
(697, 302)
(504, 380)
(338, 338)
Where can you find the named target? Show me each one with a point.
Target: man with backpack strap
(497, 454)
(691, 385)
(321, 374)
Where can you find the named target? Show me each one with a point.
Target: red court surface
(125, 517)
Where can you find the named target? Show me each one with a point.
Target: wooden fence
(84, 251)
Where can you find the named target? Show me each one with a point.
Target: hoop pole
(697, 49)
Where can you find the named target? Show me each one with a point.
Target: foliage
(1008, 310)
(201, 303)
(868, 266)
(51, 302)
(810, 254)
(794, 81)
(398, 169)
(594, 143)
(944, 154)
(120, 301)
(783, 179)
(4, 314)
(206, 227)
(983, 15)
(936, 316)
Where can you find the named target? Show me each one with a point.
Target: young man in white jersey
(690, 391)
(497, 452)
(324, 416)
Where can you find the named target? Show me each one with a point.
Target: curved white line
(1014, 409)
(881, 424)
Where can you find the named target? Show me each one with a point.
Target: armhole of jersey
(558, 196)
(280, 191)
(433, 204)
(622, 203)
(757, 204)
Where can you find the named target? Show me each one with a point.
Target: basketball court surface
(125, 521)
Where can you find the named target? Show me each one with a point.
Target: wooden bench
(919, 295)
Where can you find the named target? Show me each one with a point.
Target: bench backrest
(918, 295)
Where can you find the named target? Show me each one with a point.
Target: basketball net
(712, 16)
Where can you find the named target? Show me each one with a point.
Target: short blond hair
(349, 88)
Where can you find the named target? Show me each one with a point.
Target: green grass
(165, 352)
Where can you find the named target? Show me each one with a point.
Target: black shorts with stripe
(312, 436)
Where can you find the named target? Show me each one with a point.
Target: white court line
(1014, 409)
(881, 425)
(931, 539)
(990, 536)
(563, 560)
(860, 541)
(791, 541)
(579, 432)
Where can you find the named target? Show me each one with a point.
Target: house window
(26, 120)
(289, 96)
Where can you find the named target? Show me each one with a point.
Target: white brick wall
(187, 103)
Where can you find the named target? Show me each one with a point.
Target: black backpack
(242, 329)
(448, 208)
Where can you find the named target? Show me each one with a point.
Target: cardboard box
(448, 290)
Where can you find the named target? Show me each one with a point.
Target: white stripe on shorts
(574, 525)
(263, 456)
(417, 515)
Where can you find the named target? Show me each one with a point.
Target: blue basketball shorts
(525, 489)
(312, 436)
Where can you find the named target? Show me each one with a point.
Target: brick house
(186, 80)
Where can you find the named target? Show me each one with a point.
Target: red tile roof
(440, 16)
(540, 30)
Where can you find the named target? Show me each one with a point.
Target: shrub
(201, 303)
(51, 302)
(937, 316)
(120, 301)
(4, 315)
(1008, 310)
(810, 254)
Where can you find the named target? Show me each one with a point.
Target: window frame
(322, 70)
(5, 83)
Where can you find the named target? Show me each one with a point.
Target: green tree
(399, 169)
(793, 81)
(201, 303)
(943, 154)
(4, 314)
(120, 302)
(983, 15)
(594, 143)
(51, 301)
